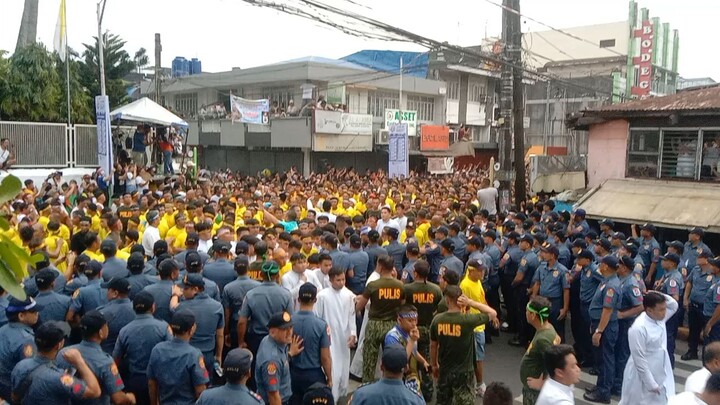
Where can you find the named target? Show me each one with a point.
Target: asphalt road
(502, 363)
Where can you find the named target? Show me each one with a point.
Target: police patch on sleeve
(673, 283)
(636, 291)
(28, 351)
(506, 257)
(66, 380)
(271, 368)
(76, 294)
(523, 262)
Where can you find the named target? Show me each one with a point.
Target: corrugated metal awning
(670, 204)
(558, 182)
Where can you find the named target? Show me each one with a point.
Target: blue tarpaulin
(414, 63)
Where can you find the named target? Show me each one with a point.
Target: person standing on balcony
(140, 140)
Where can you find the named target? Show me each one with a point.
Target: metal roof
(697, 100)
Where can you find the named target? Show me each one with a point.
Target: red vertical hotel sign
(644, 61)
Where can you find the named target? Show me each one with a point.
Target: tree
(118, 64)
(141, 59)
(28, 25)
(30, 86)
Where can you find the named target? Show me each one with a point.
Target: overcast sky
(228, 33)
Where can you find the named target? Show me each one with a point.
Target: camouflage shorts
(456, 388)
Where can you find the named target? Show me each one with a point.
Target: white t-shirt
(697, 380)
(686, 398)
(4, 155)
(487, 197)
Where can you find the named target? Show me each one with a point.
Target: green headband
(270, 268)
(543, 313)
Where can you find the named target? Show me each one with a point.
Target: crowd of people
(277, 288)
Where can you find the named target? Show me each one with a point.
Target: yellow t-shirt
(51, 243)
(122, 255)
(474, 291)
(421, 233)
(64, 233)
(44, 221)
(179, 242)
(308, 254)
(286, 268)
(94, 256)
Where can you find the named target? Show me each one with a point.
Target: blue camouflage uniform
(54, 306)
(553, 283)
(672, 284)
(712, 299)
(50, 385)
(209, 317)
(700, 281)
(161, 292)
(607, 295)
(102, 365)
(178, 368)
(359, 261)
(114, 268)
(306, 368)
(630, 297)
(89, 297)
(119, 312)
(229, 394)
(16, 343)
(386, 392)
(221, 272)
(272, 369)
(232, 298)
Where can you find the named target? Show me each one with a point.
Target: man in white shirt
(7, 157)
(711, 362)
(564, 373)
(151, 234)
(299, 275)
(386, 220)
(709, 396)
(487, 197)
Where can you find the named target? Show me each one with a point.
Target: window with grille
(425, 107)
(282, 95)
(643, 153)
(679, 154)
(476, 93)
(378, 101)
(186, 103)
(710, 163)
(453, 90)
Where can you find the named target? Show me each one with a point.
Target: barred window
(453, 90)
(425, 107)
(476, 93)
(282, 95)
(186, 103)
(378, 101)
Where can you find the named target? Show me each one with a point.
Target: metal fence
(576, 142)
(39, 144)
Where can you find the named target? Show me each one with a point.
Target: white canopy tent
(147, 111)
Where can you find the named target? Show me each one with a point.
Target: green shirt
(533, 363)
(425, 296)
(386, 295)
(454, 333)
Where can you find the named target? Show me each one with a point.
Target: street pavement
(502, 363)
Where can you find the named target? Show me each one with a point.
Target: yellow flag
(60, 41)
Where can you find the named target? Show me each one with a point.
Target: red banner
(644, 61)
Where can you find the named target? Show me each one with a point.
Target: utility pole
(518, 105)
(101, 45)
(506, 107)
(158, 69)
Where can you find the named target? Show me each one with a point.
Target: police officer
(234, 294)
(387, 295)
(160, 250)
(118, 311)
(603, 316)
(693, 247)
(587, 277)
(54, 306)
(450, 262)
(711, 309)
(176, 370)
(194, 265)
(606, 228)
(649, 250)
(358, 263)
(135, 343)
(491, 247)
(16, 339)
(209, 336)
(89, 297)
(38, 380)
(508, 270)
(220, 270)
(257, 308)
(672, 284)
(112, 267)
(630, 249)
(630, 305)
(272, 364)
(236, 369)
(551, 281)
(394, 249)
(138, 281)
(452, 338)
(412, 252)
(162, 291)
(390, 390)
(29, 283)
(313, 364)
(521, 283)
(425, 296)
(94, 330)
(699, 281)
(78, 278)
(192, 241)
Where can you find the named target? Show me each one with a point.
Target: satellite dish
(497, 166)
(496, 184)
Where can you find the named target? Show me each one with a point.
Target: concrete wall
(248, 162)
(361, 161)
(607, 151)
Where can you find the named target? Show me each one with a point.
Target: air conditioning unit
(382, 137)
